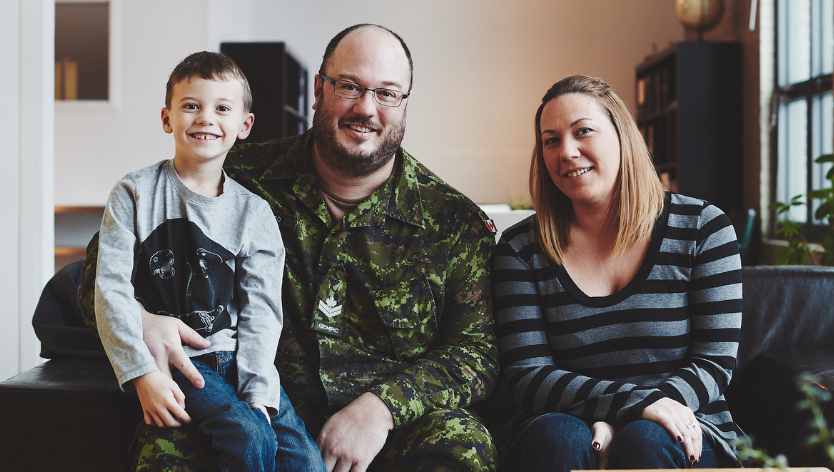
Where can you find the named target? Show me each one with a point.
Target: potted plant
(815, 399)
(798, 249)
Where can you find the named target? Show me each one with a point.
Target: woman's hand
(681, 424)
(602, 433)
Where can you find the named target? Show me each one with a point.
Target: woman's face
(581, 148)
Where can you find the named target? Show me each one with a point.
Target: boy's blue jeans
(243, 437)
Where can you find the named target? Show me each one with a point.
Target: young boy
(187, 241)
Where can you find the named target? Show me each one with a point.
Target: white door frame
(27, 130)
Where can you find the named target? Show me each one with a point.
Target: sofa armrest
(68, 415)
(764, 396)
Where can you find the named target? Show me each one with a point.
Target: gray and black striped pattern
(673, 331)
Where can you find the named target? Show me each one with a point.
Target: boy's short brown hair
(209, 66)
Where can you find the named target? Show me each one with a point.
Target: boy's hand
(164, 336)
(260, 407)
(163, 403)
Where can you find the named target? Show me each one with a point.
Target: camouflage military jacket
(394, 299)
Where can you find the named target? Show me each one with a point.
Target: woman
(618, 305)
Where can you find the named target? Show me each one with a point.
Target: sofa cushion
(58, 322)
(786, 307)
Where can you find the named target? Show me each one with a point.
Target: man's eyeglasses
(352, 91)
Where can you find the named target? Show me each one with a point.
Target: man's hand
(352, 437)
(164, 336)
(681, 423)
(163, 403)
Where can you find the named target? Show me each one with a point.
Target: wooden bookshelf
(689, 111)
(279, 88)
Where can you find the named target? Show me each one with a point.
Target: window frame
(816, 86)
(113, 102)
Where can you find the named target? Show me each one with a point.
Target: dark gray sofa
(787, 329)
(69, 415)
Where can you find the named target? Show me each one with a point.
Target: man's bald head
(334, 43)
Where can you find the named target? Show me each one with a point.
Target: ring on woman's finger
(691, 425)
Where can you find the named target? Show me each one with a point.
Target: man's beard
(354, 163)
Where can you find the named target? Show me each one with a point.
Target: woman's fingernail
(695, 464)
(692, 457)
(595, 445)
(680, 439)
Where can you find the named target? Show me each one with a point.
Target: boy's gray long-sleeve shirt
(216, 263)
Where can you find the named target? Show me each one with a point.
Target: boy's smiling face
(206, 117)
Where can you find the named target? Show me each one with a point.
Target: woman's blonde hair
(638, 196)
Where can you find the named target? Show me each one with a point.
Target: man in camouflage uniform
(388, 325)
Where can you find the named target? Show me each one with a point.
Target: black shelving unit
(689, 110)
(279, 88)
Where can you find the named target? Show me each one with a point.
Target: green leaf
(789, 228)
(824, 211)
(819, 194)
(825, 158)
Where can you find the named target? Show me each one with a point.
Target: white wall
(498, 57)
(26, 82)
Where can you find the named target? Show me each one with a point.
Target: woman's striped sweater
(672, 332)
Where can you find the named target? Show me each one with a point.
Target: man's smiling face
(356, 137)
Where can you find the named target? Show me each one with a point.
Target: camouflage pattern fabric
(171, 449)
(87, 288)
(394, 299)
(445, 440)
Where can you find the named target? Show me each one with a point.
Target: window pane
(823, 134)
(794, 41)
(826, 46)
(793, 157)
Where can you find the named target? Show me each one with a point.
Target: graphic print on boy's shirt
(180, 272)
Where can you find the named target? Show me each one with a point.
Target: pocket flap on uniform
(407, 304)
(408, 310)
